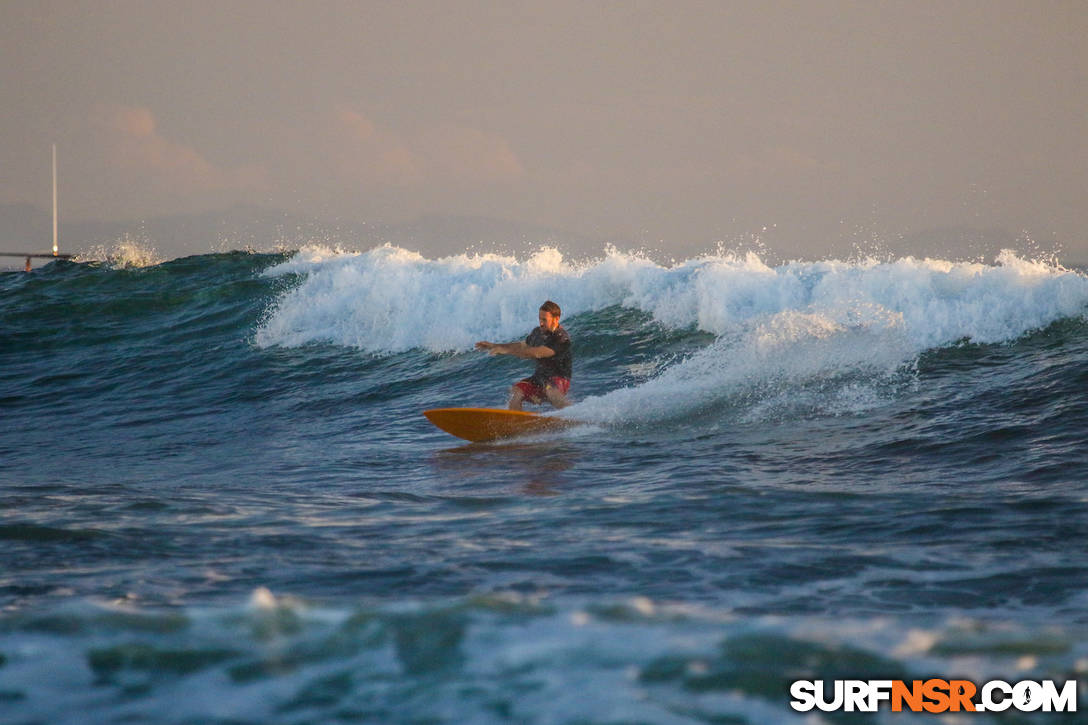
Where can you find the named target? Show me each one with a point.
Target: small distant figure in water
(549, 345)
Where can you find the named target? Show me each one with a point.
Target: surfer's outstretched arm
(517, 349)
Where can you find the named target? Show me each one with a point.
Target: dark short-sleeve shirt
(559, 364)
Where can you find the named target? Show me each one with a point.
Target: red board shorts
(535, 394)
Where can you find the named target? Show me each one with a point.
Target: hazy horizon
(809, 127)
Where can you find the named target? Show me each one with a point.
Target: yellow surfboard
(488, 424)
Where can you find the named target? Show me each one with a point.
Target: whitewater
(219, 501)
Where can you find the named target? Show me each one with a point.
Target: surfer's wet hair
(551, 307)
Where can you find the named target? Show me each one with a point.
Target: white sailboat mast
(55, 250)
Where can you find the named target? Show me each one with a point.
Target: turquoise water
(219, 501)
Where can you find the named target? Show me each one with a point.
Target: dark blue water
(219, 501)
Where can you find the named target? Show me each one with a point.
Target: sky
(675, 124)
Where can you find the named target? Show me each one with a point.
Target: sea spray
(127, 252)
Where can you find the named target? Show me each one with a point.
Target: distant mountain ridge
(27, 228)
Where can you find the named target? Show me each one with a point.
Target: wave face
(215, 479)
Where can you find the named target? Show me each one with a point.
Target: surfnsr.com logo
(933, 696)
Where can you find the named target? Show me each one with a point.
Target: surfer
(549, 345)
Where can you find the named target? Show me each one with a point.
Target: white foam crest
(390, 300)
(943, 302)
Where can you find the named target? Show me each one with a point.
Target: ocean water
(219, 502)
